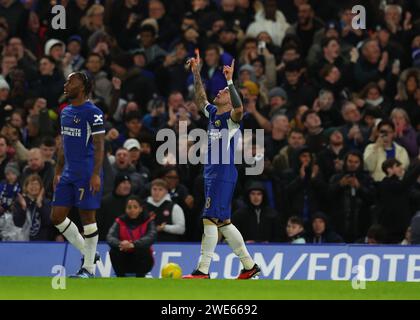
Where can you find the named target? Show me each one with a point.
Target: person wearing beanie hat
(12, 167)
(74, 48)
(55, 48)
(113, 204)
(252, 87)
(9, 188)
(246, 73)
(277, 92)
(277, 98)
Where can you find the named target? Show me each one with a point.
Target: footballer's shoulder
(94, 108)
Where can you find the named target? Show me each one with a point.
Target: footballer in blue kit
(78, 174)
(220, 174)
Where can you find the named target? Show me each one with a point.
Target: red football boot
(196, 274)
(248, 274)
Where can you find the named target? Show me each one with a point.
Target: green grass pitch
(168, 289)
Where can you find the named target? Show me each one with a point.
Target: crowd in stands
(339, 106)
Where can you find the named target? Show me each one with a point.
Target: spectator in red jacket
(131, 238)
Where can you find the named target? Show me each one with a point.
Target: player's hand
(56, 180)
(228, 70)
(95, 183)
(195, 63)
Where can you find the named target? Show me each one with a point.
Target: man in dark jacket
(131, 238)
(257, 221)
(393, 208)
(113, 204)
(351, 195)
(320, 231)
(330, 160)
(305, 188)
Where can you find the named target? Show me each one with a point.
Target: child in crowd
(10, 187)
(295, 230)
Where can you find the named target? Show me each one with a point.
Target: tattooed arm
(200, 97)
(238, 110)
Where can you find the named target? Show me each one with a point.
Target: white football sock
(236, 242)
(208, 244)
(91, 241)
(69, 230)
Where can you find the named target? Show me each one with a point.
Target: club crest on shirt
(76, 120)
(218, 123)
(166, 213)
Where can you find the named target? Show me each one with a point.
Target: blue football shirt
(78, 125)
(222, 140)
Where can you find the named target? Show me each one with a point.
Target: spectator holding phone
(384, 148)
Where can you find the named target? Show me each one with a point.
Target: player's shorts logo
(76, 120)
(217, 123)
(208, 202)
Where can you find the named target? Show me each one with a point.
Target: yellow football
(172, 271)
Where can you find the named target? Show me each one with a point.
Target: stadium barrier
(278, 262)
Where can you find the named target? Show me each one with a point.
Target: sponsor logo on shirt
(98, 119)
(215, 135)
(72, 132)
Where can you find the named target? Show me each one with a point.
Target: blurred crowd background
(340, 108)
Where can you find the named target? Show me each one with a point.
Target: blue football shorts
(218, 199)
(76, 193)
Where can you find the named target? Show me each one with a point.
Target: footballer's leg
(67, 227)
(63, 200)
(88, 202)
(208, 245)
(237, 244)
(233, 236)
(90, 231)
(210, 234)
